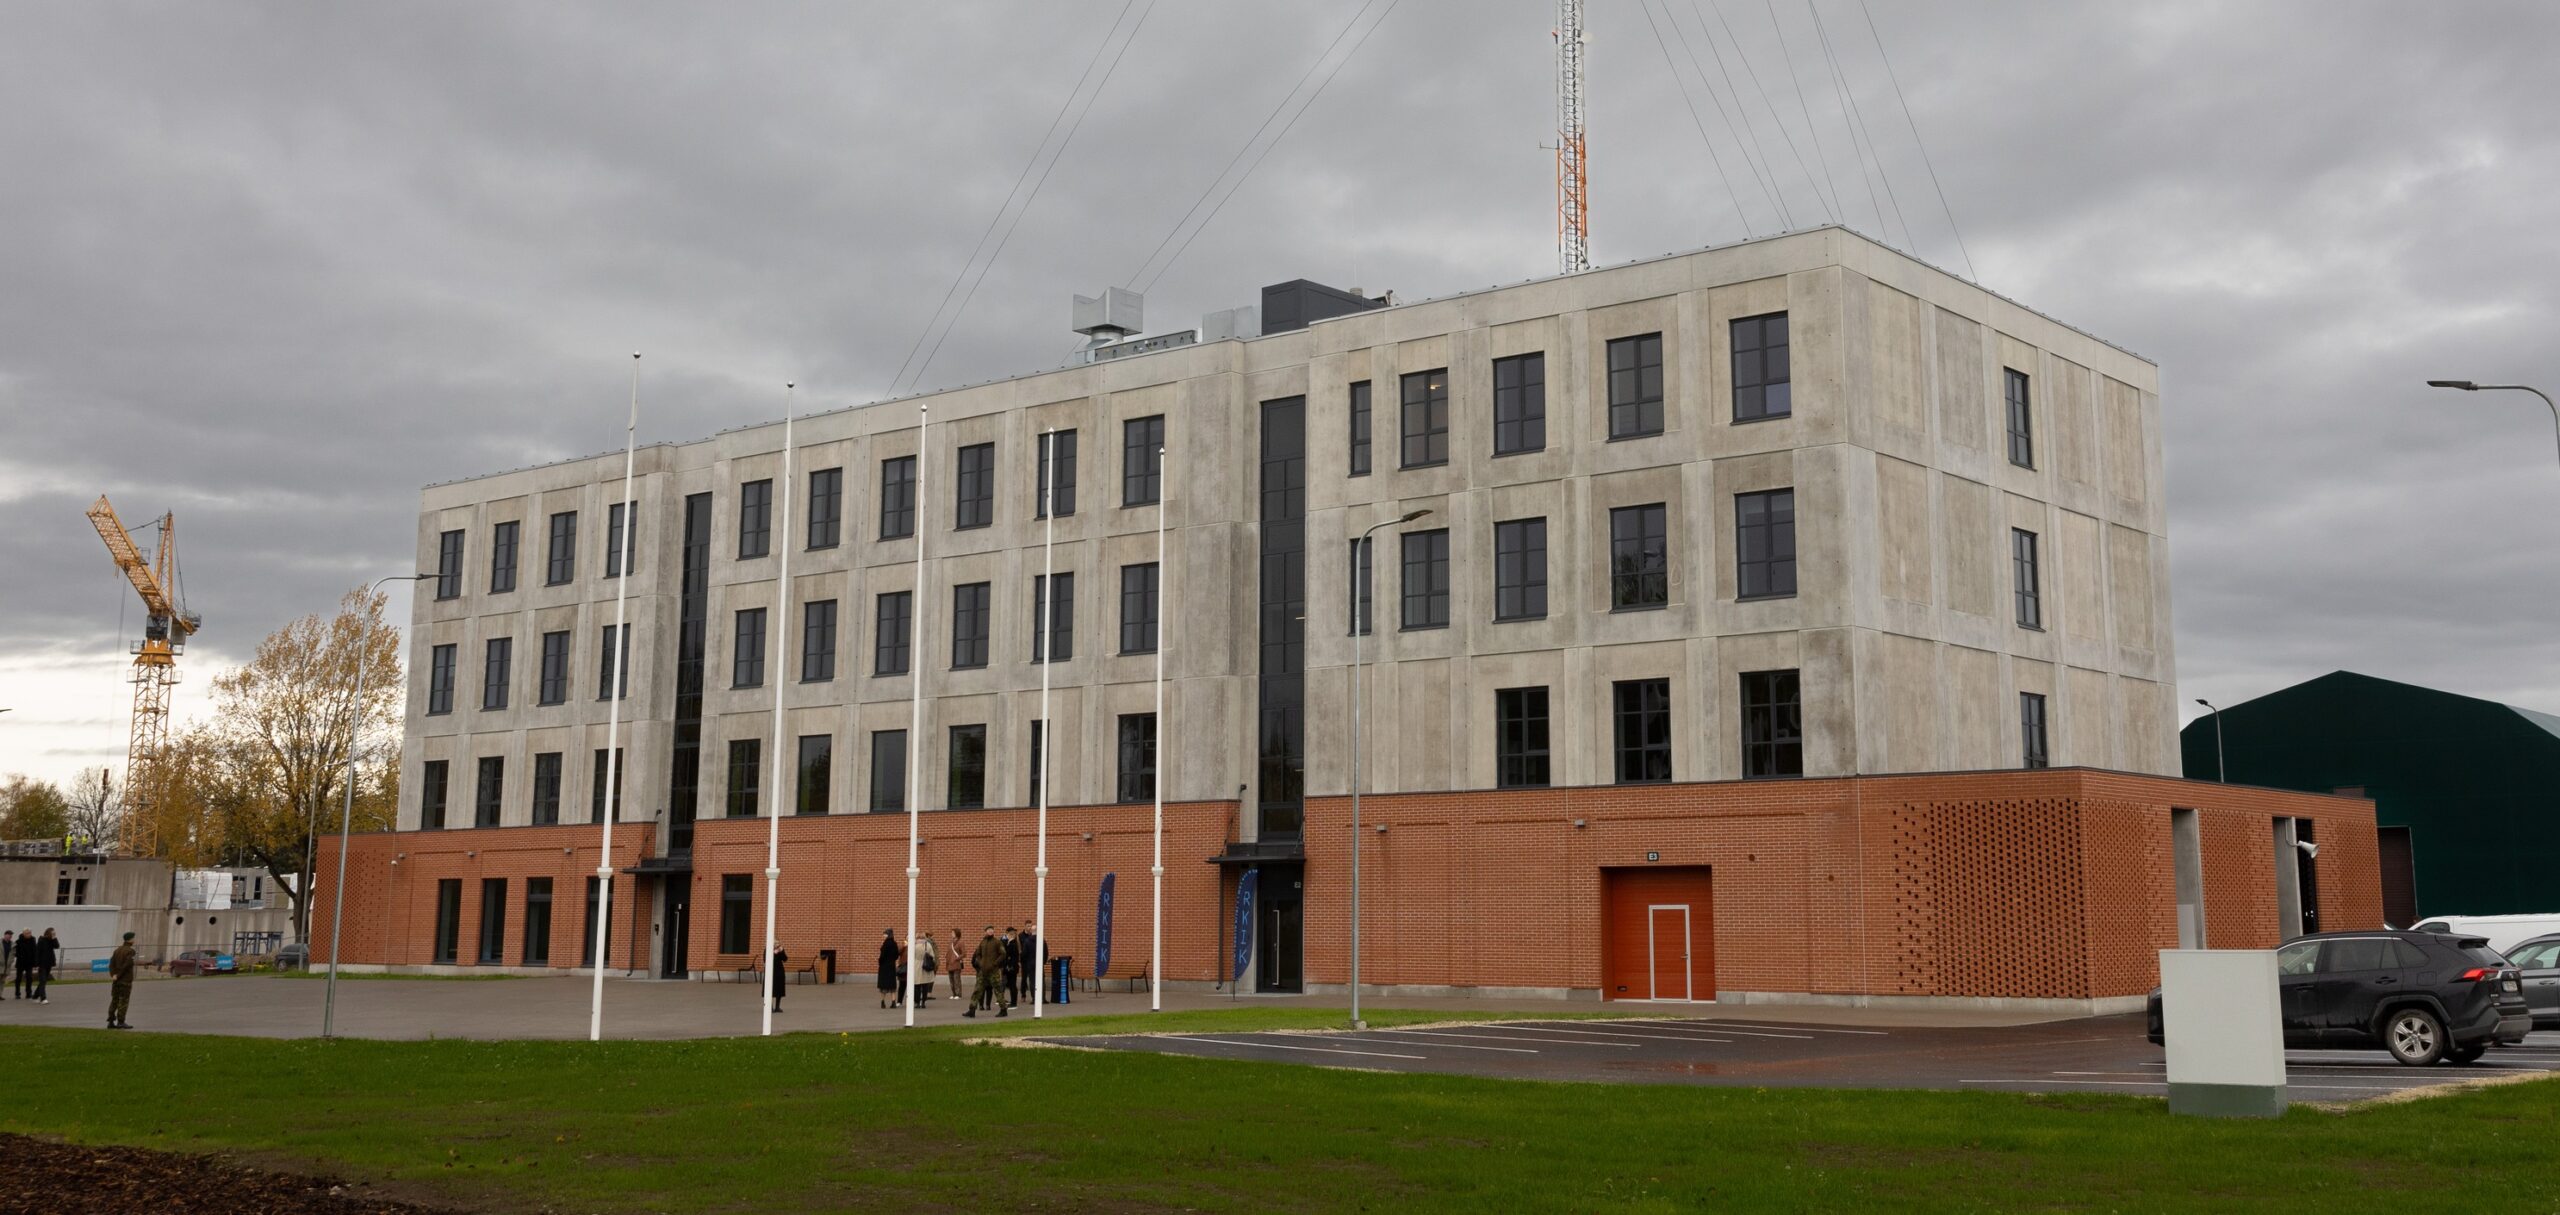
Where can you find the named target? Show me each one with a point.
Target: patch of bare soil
(48, 1178)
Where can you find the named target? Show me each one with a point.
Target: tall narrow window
(1142, 460)
(1426, 418)
(555, 667)
(755, 519)
(1635, 386)
(744, 757)
(1137, 757)
(2022, 419)
(1772, 724)
(1053, 617)
(537, 921)
(1057, 488)
(1039, 749)
(1360, 562)
(493, 922)
(968, 767)
(1519, 404)
(497, 670)
(1426, 579)
(897, 497)
(448, 920)
(817, 773)
(2031, 729)
(490, 798)
(889, 637)
(595, 909)
(611, 658)
(561, 562)
(1639, 557)
(609, 771)
(1764, 544)
(440, 680)
(502, 557)
(746, 660)
(1520, 570)
(449, 565)
(1138, 608)
(1643, 719)
(1360, 429)
(826, 508)
(546, 789)
(888, 770)
(620, 516)
(818, 641)
(432, 786)
(969, 625)
(1760, 387)
(1520, 738)
(975, 503)
(2022, 555)
(737, 912)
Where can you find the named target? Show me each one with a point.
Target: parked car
(2422, 996)
(2505, 932)
(298, 956)
(2537, 962)
(201, 962)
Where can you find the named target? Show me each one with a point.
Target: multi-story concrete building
(1798, 508)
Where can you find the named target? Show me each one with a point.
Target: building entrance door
(1277, 954)
(1667, 933)
(678, 921)
(1657, 933)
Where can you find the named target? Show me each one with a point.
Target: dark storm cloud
(275, 267)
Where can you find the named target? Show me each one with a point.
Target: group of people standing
(1004, 966)
(31, 958)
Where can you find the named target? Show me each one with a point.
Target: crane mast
(166, 627)
(1573, 179)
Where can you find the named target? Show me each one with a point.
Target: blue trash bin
(1062, 983)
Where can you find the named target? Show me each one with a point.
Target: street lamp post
(2468, 386)
(346, 824)
(1359, 626)
(2221, 774)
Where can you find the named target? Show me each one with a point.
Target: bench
(753, 972)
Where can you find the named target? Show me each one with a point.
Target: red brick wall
(2050, 884)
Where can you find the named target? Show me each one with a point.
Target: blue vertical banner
(1102, 925)
(1244, 920)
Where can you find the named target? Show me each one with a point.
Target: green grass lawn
(900, 1121)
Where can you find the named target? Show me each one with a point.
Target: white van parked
(2505, 932)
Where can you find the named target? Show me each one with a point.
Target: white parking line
(1508, 1050)
(1603, 1033)
(1871, 1033)
(1450, 1033)
(1684, 1031)
(1322, 1050)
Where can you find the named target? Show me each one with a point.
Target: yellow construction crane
(166, 625)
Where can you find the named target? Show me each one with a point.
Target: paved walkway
(503, 1008)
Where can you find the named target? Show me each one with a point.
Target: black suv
(2422, 996)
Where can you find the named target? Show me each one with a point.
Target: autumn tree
(32, 809)
(94, 808)
(262, 780)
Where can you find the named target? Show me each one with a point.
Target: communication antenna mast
(1573, 178)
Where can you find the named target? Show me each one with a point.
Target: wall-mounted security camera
(2309, 849)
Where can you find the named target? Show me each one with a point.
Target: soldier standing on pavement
(120, 996)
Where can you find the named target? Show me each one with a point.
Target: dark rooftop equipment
(1299, 303)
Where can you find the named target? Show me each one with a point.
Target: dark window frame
(560, 560)
(1363, 423)
(2027, 578)
(1751, 374)
(818, 641)
(489, 791)
(1423, 586)
(744, 777)
(448, 938)
(1137, 749)
(493, 923)
(1640, 737)
(746, 647)
(893, 633)
(755, 519)
(1634, 412)
(965, 767)
(1053, 621)
(615, 542)
(972, 609)
(505, 539)
(974, 492)
(1142, 461)
(2017, 393)
(440, 677)
(536, 950)
(1764, 544)
(813, 770)
(737, 913)
(1772, 705)
(546, 788)
(1640, 557)
(1520, 407)
(1058, 449)
(1520, 569)
(435, 787)
(1522, 755)
(497, 672)
(1423, 418)
(897, 497)
(1141, 612)
(826, 509)
(449, 565)
(888, 785)
(2033, 744)
(554, 687)
(609, 663)
(619, 777)
(1364, 560)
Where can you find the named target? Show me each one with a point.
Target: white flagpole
(615, 658)
(1047, 626)
(1155, 960)
(781, 654)
(916, 659)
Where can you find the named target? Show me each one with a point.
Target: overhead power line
(1830, 209)
(1840, 80)
(1923, 145)
(1700, 122)
(1744, 142)
(1039, 153)
(1151, 278)
(1838, 209)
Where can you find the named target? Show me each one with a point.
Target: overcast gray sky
(276, 266)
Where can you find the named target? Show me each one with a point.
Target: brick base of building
(2041, 890)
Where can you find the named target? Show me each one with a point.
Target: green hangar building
(2466, 791)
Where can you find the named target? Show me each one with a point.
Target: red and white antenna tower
(1573, 177)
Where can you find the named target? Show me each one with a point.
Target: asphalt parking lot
(2107, 1054)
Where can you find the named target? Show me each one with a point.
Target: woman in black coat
(781, 962)
(888, 965)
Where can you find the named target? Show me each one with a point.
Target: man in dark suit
(1028, 963)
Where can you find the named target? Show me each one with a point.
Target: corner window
(1760, 388)
(2031, 729)
(432, 784)
(1519, 404)
(1426, 418)
(1360, 429)
(2022, 558)
(440, 680)
(1635, 386)
(1137, 757)
(1772, 724)
(2022, 421)
(449, 565)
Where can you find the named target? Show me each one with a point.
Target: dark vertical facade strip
(684, 773)
(1282, 728)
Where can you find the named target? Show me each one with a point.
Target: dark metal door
(1278, 952)
(672, 964)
